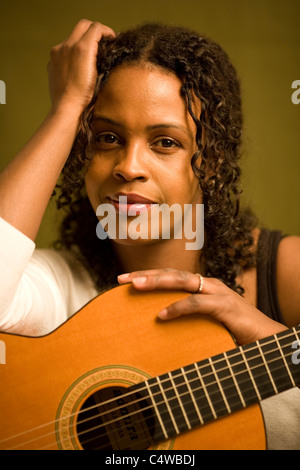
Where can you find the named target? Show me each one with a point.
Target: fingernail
(123, 277)
(139, 281)
(163, 314)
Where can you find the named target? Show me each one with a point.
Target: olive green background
(262, 37)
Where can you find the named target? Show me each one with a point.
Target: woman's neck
(160, 255)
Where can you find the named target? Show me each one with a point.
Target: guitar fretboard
(207, 390)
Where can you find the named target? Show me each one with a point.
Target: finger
(87, 29)
(177, 280)
(97, 31)
(77, 32)
(244, 321)
(127, 277)
(206, 305)
(224, 307)
(167, 279)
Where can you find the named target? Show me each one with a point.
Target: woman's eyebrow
(165, 125)
(98, 117)
(168, 125)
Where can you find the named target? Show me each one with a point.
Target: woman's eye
(166, 143)
(106, 139)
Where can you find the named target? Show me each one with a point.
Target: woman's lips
(123, 203)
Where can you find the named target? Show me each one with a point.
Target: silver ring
(201, 282)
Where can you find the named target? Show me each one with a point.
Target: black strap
(267, 299)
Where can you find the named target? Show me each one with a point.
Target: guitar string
(174, 377)
(113, 421)
(138, 390)
(105, 423)
(180, 375)
(165, 412)
(183, 394)
(125, 395)
(182, 384)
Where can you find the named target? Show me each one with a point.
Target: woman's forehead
(144, 88)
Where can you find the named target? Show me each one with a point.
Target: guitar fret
(212, 387)
(198, 393)
(259, 371)
(282, 368)
(157, 411)
(234, 380)
(166, 400)
(187, 398)
(284, 361)
(241, 372)
(250, 374)
(291, 367)
(267, 367)
(168, 406)
(180, 402)
(220, 386)
(227, 384)
(205, 392)
(193, 398)
(171, 394)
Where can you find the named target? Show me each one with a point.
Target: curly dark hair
(205, 71)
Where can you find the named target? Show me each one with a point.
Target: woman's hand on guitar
(245, 322)
(72, 68)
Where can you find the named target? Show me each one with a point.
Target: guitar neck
(207, 390)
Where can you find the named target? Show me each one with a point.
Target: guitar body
(115, 340)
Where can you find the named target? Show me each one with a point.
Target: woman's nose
(131, 164)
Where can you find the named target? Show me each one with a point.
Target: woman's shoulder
(64, 264)
(65, 271)
(282, 255)
(285, 251)
(288, 279)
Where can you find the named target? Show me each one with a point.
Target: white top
(41, 288)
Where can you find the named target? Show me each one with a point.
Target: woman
(158, 121)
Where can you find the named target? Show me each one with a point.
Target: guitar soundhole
(112, 419)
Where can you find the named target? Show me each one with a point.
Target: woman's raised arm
(27, 183)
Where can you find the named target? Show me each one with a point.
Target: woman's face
(143, 142)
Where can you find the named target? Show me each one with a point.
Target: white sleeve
(282, 420)
(40, 289)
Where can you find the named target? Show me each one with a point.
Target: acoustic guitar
(113, 376)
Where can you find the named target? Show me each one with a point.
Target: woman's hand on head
(245, 322)
(72, 68)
